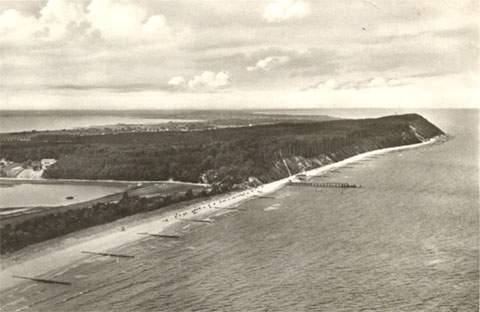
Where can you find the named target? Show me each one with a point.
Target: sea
(18, 121)
(407, 240)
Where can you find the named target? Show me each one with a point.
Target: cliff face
(380, 133)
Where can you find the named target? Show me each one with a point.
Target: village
(27, 170)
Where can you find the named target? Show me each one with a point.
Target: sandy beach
(40, 263)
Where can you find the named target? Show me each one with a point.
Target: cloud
(15, 27)
(111, 19)
(55, 21)
(331, 84)
(281, 10)
(123, 20)
(377, 82)
(115, 20)
(59, 16)
(382, 82)
(176, 81)
(124, 88)
(269, 63)
(154, 24)
(207, 81)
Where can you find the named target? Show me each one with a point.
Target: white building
(47, 162)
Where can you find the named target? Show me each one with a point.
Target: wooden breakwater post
(324, 184)
(106, 254)
(199, 220)
(161, 235)
(42, 280)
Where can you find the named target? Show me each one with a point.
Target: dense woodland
(225, 157)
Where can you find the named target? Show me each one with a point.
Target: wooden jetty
(325, 184)
(106, 254)
(42, 280)
(161, 235)
(266, 197)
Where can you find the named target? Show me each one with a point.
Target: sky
(120, 54)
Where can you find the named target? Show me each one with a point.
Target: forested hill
(224, 157)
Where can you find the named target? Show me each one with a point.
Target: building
(47, 162)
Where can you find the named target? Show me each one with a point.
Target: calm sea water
(17, 121)
(406, 241)
(26, 195)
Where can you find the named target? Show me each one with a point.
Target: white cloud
(115, 20)
(382, 82)
(176, 81)
(377, 82)
(15, 27)
(112, 19)
(357, 84)
(55, 20)
(330, 84)
(269, 63)
(154, 23)
(207, 81)
(394, 82)
(58, 15)
(281, 10)
(121, 20)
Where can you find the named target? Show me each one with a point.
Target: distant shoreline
(40, 263)
(47, 123)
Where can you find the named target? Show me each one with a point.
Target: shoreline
(91, 182)
(108, 237)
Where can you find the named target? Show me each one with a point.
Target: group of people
(197, 209)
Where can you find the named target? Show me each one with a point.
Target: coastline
(38, 263)
(92, 182)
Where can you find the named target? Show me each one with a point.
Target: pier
(325, 184)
